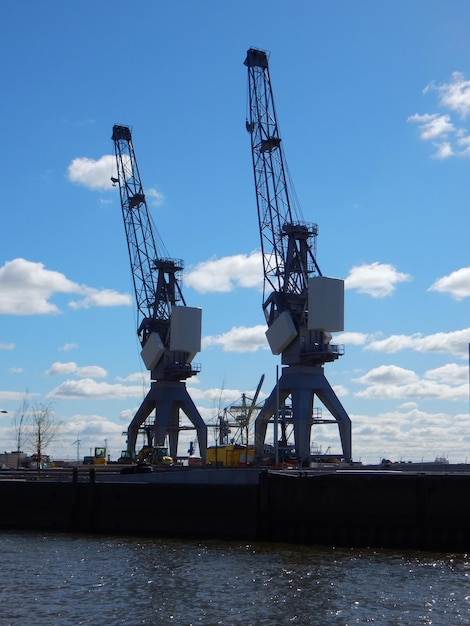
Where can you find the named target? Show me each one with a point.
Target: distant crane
(169, 331)
(238, 416)
(301, 306)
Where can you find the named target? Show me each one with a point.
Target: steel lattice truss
(286, 242)
(155, 280)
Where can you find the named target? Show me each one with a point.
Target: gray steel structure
(157, 290)
(288, 246)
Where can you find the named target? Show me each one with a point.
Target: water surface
(59, 579)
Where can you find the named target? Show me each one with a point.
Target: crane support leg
(172, 430)
(302, 383)
(275, 400)
(302, 410)
(167, 398)
(147, 406)
(330, 400)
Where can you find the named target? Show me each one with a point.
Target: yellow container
(232, 455)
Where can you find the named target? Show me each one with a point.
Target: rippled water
(55, 579)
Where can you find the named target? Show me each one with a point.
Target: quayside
(357, 508)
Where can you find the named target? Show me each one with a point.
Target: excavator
(154, 455)
(148, 455)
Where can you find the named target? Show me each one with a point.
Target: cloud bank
(27, 288)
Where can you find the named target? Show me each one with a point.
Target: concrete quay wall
(374, 509)
(363, 509)
(171, 510)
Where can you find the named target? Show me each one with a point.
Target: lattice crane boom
(156, 279)
(288, 244)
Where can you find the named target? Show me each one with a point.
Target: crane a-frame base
(167, 398)
(302, 383)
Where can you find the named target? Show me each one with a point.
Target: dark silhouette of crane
(169, 331)
(301, 306)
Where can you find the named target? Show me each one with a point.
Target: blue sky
(373, 100)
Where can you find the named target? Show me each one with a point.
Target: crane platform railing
(306, 229)
(321, 352)
(180, 369)
(167, 264)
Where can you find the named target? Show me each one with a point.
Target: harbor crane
(241, 415)
(301, 306)
(169, 331)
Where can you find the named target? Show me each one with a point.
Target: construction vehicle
(99, 457)
(168, 330)
(154, 455)
(301, 306)
(126, 458)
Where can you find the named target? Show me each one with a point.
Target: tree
(43, 428)
(20, 426)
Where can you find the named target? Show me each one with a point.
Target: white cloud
(387, 374)
(352, 339)
(375, 279)
(391, 344)
(136, 377)
(410, 434)
(463, 141)
(79, 435)
(90, 426)
(432, 126)
(154, 197)
(26, 288)
(454, 95)
(409, 405)
(96, 174)
(451, 371)
(421, 389)
(65, 369)
(90, 389)
(341, 391)
(67, 347)
(239, 339)
(227, 273)
(93, 174)
(444, 150)
(389, 382)
(127, 415)
(448, 139)
(455, 343)
(102, 298)
(13, 396)
(219, 397)
(457, 284)
(7, 346)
